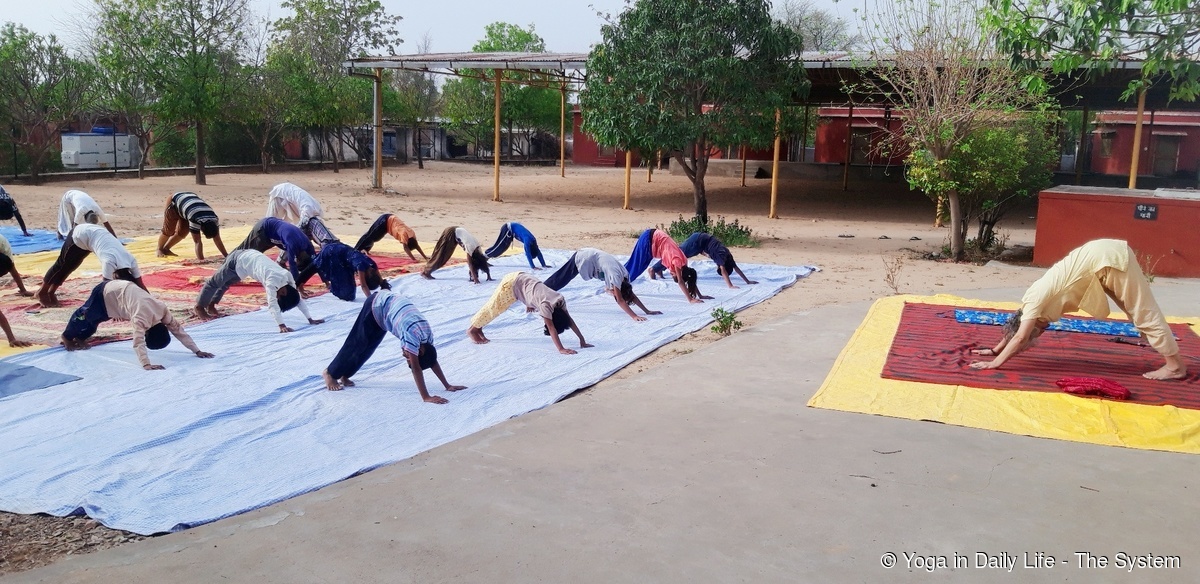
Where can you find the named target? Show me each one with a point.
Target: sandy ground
(581, 210)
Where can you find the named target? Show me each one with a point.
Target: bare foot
(201, 313)
(476, 334)
(330, 383)
(1166, 373)
(345, 381)
(426, 276)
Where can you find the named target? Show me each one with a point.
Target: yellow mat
(855, 385)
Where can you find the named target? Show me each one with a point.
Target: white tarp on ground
(155, 451)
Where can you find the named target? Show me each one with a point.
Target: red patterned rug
(932, 347)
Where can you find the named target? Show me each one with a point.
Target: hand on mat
(639, 318)
(695, 301)
(316, 321)
(153, 367)
(566, 351)
(984, 365)
(283, 328)
(456, 388)
(25, 293)
(586, 345)
(16, 343)
(655, 312)
(204, 355)
(433, 399)
(987, 352)
(528, 309)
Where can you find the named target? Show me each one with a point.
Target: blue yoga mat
(38, 240)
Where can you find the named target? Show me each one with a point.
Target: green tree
(1163, 34)
(315, 41)
(42, 89)
(125, 92)
(263, 97)
(527, 104)
(682, 77)
(993, 169)
(934, 62)
(186, 50)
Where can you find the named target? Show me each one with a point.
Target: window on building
(1106, 143)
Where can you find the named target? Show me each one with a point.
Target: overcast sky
(453, 25)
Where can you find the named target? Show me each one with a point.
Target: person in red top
(656, 244)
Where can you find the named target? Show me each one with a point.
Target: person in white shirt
(152, 322)
(282, 294)
(76, 208)
(293, 204)
(116, 263)
(593, 264)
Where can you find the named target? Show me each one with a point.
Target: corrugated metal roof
(430, 61)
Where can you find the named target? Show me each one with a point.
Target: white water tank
(93, 150)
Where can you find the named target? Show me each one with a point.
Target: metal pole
(1137, 139)
(114, 128)
(562, 135)
(496, 142)
(378, 118)
(1081, 150)
(849, 147)
(628, 172)
(775, 171)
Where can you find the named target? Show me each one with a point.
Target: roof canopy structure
(550, 69)
(829, 73)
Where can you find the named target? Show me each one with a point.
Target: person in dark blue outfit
(338, 263)
(297, 249)
(513, 230)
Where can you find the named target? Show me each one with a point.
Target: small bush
(725, 322)
(732, 234)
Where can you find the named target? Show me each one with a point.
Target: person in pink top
(657, 244)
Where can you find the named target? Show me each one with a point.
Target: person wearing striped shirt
(187, 213)
(386, 312)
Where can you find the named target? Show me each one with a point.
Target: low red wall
(1161, 229)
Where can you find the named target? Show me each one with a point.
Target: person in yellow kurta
(1085, 280)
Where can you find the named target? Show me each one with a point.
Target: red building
(1170, 144)
(585, 151)
(867, 128)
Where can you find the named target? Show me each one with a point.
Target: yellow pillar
(562, 134)
(774, 171)
(377, 181)
(628, 172)
(1137, 139)
(496, 142)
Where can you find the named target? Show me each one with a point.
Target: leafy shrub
(725, 322)
(732, 234)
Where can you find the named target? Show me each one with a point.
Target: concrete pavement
(710, 468)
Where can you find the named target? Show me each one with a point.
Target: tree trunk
(333, 152)
(144, 155)
(939, 212)
(420, 158)
(700, 199)
(957, 236)
(200, 176)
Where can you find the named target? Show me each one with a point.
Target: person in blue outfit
(270, 232)
(513, 230)
(338, 263)
(700, 243)
(387, 312)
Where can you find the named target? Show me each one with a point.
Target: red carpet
(932, 347)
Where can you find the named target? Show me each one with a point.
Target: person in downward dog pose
(451, 236)
(513, 230)
(655, 243)
(282, 294)
(385, 312)
(537, 297)
(701, 243)
(77, 208)
(187, 213)
(389, 224)
(1084, 280)
(593, 264)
